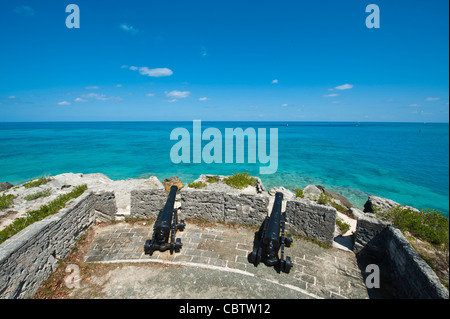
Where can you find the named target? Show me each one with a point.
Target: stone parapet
(30, 256)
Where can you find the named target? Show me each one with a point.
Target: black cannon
(268, 240)
(165, 228)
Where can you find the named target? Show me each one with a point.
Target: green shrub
(37, 182)
(429, 225)
(39, 214)
(339, 208)
(212, 179)
(45, 193)
(343, 226)
(197, 185)
(240, 180)
(324, 199)
(6, 201)
(299, 192)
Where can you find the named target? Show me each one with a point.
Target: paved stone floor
(222, 251)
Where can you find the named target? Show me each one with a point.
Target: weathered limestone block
(410, 275)
(414, 278)
(146, 203)
(105, 206)
(245, 209)
(223, 204)
(309, 219)
(367, 235)
(30, 256)
(202, 204)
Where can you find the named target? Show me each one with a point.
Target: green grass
(311, 240)
(240, 180)
(197, 185)
(429, 225)
(6, 201)
(39, 214)
(45, 193)
(37, 182)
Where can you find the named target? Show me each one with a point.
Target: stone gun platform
(213, 264)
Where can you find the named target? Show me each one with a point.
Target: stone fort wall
(29, 257)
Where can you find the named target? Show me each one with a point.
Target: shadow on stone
(386, 290)
(345, 241)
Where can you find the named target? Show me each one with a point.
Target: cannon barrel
(272, 235)
(165, 228)
(163, 224)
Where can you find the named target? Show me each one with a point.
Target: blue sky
(224, 60)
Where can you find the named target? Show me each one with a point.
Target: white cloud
(414, 105)
(344, 87)
(336, 102)
(79, 99)
(25, 11)
(128, 28)
(275, 81)
(118, 85)
(101, 97)
(172, 100)
(158, 72)
(432, 99)
(92, 88)
(178, 94)
(150, 94)
(203, 99)
(331, 95)
(284, 104)
(12, 97)
(63, 103)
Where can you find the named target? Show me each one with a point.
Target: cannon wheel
(252, 257)
(178, 245)
(286, 265)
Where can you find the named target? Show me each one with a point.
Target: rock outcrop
(344, 201)
(311, 192)
(169, 182)
(375, 203)
(287, 194)
(5, 186)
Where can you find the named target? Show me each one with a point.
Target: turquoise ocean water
(406, 162)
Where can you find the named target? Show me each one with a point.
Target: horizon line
(238, 121)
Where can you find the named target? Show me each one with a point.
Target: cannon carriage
(166, 227)
(270, 239)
